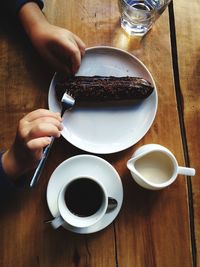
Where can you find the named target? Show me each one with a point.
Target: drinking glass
(138, 16)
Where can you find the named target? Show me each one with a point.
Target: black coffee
(83, 197)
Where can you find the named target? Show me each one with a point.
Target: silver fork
(67, 103)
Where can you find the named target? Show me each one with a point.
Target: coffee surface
(83, 197)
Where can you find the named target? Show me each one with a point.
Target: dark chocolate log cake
(102, 89)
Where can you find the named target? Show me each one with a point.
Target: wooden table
(154, 228)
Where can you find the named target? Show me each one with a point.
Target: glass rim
(144, 11)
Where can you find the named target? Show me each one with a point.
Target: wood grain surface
(153, 228)
(187, 23)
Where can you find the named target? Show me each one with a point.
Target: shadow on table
(17, 45)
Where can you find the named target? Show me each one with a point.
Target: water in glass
(137, 17)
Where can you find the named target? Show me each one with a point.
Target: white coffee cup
(80, 207)
(154, 167)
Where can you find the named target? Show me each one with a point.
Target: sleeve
(13, 6)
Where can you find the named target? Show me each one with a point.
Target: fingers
(68, 51)
(75, 59)
(58, 62)
(41, 113)
(71, 54)
(39, 123)
(38, 143)
(80, 44)
(66, 60)
(49, 120)
(43, 129)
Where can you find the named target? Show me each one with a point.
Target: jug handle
(186, 171)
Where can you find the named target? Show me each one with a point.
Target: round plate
(111, 129)
(92, 166)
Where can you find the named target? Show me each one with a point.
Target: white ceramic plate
(112, 129)
(92, 166)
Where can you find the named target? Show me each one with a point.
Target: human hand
(33, 134)
(60, 47)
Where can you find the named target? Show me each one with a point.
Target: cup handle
(186, 171)
(57, 222)
(112, 204)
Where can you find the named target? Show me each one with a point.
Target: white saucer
(86, 165)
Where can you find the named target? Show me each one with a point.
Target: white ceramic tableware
(154, 167)
(104, 130)
(82, 202)
(85, 166)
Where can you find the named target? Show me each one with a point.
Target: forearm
(31, 17)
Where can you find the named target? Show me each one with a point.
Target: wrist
(10, 165)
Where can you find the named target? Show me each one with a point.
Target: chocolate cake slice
(99, 89)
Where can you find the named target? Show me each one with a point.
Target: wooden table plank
(149, 232)
(26, 240)
(152, 228)
(187, 23)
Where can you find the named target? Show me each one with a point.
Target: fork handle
(41, 164)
